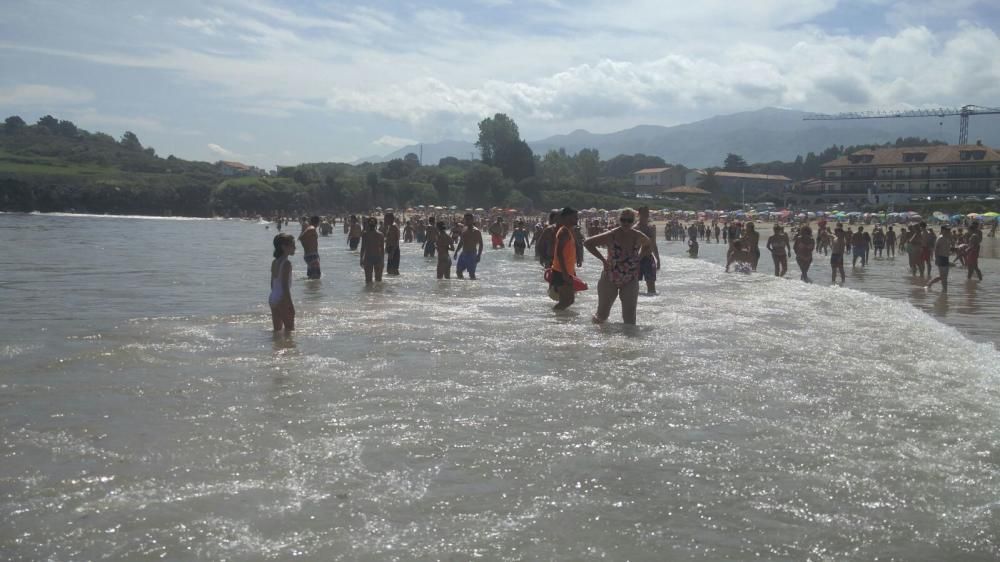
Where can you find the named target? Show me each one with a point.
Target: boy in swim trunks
(470, 248)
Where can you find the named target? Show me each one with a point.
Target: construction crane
(963, 112)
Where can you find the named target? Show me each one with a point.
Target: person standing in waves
(391, 244)
(564, 259)
(972, 254)
(470, 248)
(372, 251)
(803, 248)
(280, 299)
(779, 246)
(942, 258)
(310, 248)
(650, 265)
(620, 278)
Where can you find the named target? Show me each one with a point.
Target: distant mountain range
(759, 136)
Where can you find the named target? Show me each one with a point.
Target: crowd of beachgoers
(625, 242)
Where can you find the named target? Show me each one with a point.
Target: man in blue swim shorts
(470, 248)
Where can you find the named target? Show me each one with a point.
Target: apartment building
(655, 180)
(899, 175)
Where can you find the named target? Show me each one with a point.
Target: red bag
(578, 284)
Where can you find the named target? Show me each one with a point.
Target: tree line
(53, 165)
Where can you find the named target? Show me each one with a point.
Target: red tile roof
(237, 165)
(652, 170)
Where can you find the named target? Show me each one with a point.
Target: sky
(279, 83)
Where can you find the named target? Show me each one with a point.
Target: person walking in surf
(804, 247)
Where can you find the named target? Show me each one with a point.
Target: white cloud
(223, 152)
(41, 94)
(558, 66)
(394, 142)
(208, 26)
(913, 66)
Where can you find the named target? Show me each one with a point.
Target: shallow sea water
(147, 411)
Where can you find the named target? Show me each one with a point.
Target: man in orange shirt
(564, 259)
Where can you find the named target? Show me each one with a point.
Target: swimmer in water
(280, 299)
(372, 251)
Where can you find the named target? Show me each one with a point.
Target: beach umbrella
(991, 214)
(940, 216)
(480, 209)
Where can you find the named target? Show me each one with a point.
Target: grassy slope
(45, 165)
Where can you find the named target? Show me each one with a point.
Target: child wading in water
(282, 310)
